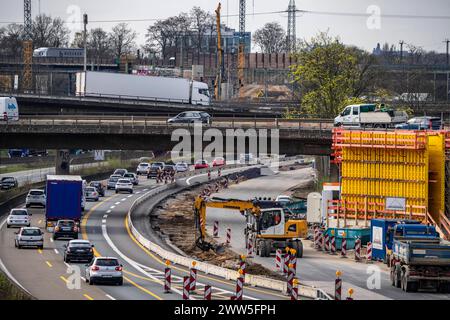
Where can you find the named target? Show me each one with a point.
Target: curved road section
(45, 275)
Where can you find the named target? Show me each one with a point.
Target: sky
(377, 21)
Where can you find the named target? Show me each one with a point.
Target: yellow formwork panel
(436, 145)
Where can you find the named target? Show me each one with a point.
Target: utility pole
(291, 36)
(401, 50)
(241, 50)
(27, 80)
(447, 41)
(85, 22)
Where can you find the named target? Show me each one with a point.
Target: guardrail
(228, 274)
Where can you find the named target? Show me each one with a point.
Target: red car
(218, 162)
(201, 164)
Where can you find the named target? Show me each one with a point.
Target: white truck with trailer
(141, 87)
(9, 109)
(368, 116)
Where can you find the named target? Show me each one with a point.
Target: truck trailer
(64, 196)
(369, 116)
(141, 87)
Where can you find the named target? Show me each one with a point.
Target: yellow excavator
(268, 225)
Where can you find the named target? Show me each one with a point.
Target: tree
(122, 39)
(98, 43)
(271, 38)
(201, 22)
(49, 32)
(78, 40)
(329, 75)
(11, 40)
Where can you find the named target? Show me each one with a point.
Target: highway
(315, 268)
(44, 273)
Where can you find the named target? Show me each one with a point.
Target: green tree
(329, 75)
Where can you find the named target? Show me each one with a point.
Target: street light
(85, 22)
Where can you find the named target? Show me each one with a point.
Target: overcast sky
(428, 33)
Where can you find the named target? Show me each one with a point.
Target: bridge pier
(62, 165)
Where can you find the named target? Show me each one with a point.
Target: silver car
(181, 167)
(29, 237)
(104, 270)
(91, 194)
(143, 168)
(124, 185)
(18, 218)
(133, 178)
(111, 184)
(36, 197)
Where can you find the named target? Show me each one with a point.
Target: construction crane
(218, 82)
(268, 226)
(241, 50)
(27, 77)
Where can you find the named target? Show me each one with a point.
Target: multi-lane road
(44, 274)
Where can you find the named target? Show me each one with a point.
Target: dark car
(191, 117)
(8, 183)
(66, 229)
(99, 186)
(421, 123)
(168, 168)
(153, 171)
(78, 250)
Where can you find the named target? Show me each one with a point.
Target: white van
(9, 109)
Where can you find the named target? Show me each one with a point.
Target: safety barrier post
(167, 278)
(293, 258)
(286, 261)
(333, 243)
(369, 252)
(278, 262)
(216, 229)
(320, 241)
(290, 278)
(326, 247)
(193, 277)
(209, 174)
(338, 286)
(250, 247)
(239, 286)
(228, 241)
(219, 173)
(358, 250)
(344, 246)
(186, 286)
(316, 237)
(294, 292)
(208, 294)
(350, 293)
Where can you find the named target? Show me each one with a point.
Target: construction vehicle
(419, 259)
(268, 226)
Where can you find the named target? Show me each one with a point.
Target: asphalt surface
(315, 268)
(45, 275)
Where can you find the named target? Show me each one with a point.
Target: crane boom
(218, 81)
(27, 44)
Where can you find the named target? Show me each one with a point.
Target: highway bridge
(107, 104)
(308, 137)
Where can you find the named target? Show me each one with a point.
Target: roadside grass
(8, 291)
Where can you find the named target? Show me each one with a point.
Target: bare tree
(271, 38)
(122, 39)
(78, 40)
(98, 43)
(49, 32)
(201, 22)
(11, 40)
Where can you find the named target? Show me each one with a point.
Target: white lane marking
(103, 221)
(130, 196)
(112, 207)
(145, 190)
(132, 262)
(117, 203)
(56, 251)
(67, 265)
(109, 211)
(83, 278)
(105, 216)
(51, 239)
(110, 297)
(6, 271)
(124, 199)
(138, 192)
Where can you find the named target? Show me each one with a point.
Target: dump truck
(141, 87)
(369, 116)
(421, 262)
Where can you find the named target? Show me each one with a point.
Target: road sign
(396, 204)
(99, 155)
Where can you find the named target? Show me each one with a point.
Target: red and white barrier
(320, 240)
(338, 287)
(358, 249)
(242, 264)
(228, 241)
(294, 292)
(250, 249)
(327, 243)
(286, 260)
(209, 174)
(208, 293)
(219, 173)
(344, 247)
(167, 280)
(186, 287)
(333, 244)
(278, 262)
(239, 286)
(369, 252)
(316, 237)
(290, 279)
(216, 229)
(193, 278)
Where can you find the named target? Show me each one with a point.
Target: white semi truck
(368, 116)
(139, 87)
